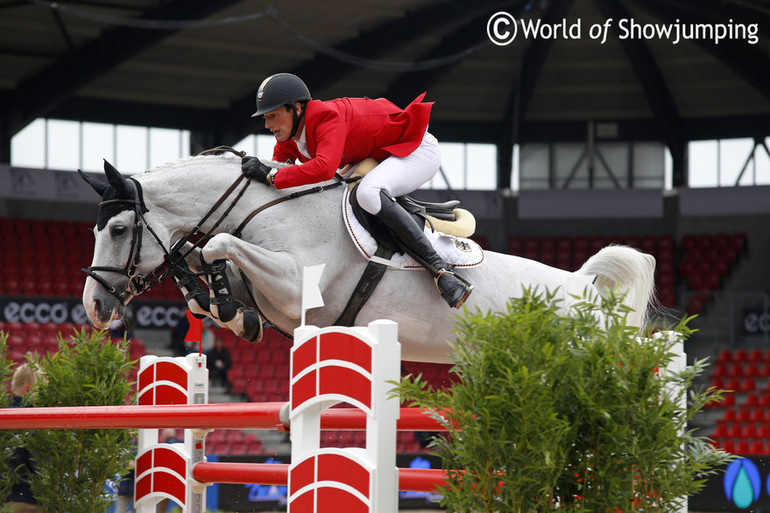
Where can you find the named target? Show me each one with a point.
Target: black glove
(253, 168)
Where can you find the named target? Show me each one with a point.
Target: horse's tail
(625, 270)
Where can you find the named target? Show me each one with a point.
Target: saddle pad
(457, 251)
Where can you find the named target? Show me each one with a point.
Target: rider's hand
(253, 168)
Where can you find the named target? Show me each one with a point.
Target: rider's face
(280, 122)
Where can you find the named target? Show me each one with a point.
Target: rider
(327, 135)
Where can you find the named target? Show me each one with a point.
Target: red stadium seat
(757, 448)
(720, 431)
(742, 447)
(728, 446)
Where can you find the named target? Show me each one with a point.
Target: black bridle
(137, 283)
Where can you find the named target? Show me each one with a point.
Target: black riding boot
(453, 289)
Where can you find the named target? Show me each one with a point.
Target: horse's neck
(181, 194)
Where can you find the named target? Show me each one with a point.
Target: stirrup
(468, 286)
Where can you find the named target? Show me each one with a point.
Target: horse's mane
(226, 157)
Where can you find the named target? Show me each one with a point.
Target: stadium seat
(728, 445)
(742, 447)
(757, 448)
(720, 431)
(743, 415)
(725, 356)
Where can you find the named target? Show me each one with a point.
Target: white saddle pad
(458, 251)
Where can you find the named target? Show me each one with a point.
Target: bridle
(137, 283)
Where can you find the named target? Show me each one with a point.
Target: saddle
(450, 226)
(443, 217)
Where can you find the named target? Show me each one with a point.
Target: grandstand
(697, 273)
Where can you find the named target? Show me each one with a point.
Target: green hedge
(557, 413)
(74, 465)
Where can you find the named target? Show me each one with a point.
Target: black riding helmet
(279, 90)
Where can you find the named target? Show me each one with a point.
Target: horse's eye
(118, 230)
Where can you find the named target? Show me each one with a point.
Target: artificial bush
(74, 465)
(560, 413)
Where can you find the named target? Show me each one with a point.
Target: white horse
(142, 217)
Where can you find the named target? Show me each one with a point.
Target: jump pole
(263, 416)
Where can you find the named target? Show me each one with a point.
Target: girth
(387, 245)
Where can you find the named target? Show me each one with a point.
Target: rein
(139, 284)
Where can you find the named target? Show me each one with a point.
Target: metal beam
(323, 70)
(38, 95)
(746, 60)
(185, 118)
(518, 102)
(655, 89)
(468, 34)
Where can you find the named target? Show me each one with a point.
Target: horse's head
(122, 257)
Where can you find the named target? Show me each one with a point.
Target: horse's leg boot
(190, 287)
(454, 289)
(222, 301)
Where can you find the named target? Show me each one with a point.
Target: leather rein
(137, 283)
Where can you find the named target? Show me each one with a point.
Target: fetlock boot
(190, 286)
(453, 288)
(222, 301)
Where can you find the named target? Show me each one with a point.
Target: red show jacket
(348, 130)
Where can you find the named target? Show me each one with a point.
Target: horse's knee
(218, 247)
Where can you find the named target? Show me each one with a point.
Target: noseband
(137, 284)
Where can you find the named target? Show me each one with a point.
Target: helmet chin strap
(297, 118)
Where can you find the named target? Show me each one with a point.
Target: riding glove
(253, 168)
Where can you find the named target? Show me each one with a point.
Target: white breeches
(400, 175)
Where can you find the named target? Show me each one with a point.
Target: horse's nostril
(98, 304)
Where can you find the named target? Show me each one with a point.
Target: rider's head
(281, 99)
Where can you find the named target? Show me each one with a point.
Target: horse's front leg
(276, 274)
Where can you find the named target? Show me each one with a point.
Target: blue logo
(742, 483)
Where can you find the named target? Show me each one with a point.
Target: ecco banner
(144, 314)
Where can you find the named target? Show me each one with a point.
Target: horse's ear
(98, 186)
(114, 177)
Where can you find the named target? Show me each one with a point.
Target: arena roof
(196, 64)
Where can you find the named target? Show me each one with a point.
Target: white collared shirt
(301, 144)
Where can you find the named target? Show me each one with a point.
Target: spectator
(178, 335)
(21, 499)
(218, 361)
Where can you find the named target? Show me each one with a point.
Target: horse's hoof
(252, 325)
